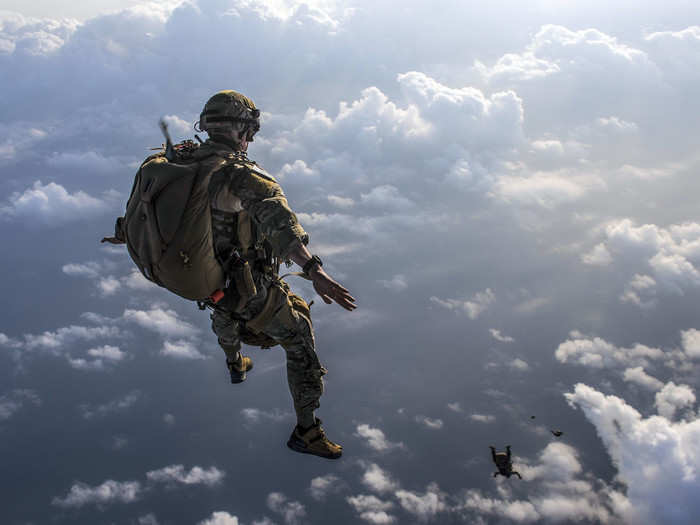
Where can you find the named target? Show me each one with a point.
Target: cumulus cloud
(292, 511)
(117, 405)
(375, 437)
(500, 337)
(673, 398)
(256, 415)
(519, 365)
(81, 494)
(435, 424)
(396, 284)
(164, 322)
(181, 349)
(51, 205)
(89, 269)
(148, 519)
(59, 339)
(14, 401)
(668, 254)
(559, 490)
(482, 418)
(372, 509)
(177, 474)
(220, 518)
(691, 342)
(598, 353)
(423, 506)
(639, 376)
(473, 307)
(598, 256)
(455, 407)
(656, 458)
(322, 485)
(101, 355)
(377, 479)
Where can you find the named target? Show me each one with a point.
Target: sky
(508, 191)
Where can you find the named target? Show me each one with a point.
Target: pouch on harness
(167, 225)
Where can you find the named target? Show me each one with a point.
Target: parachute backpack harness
(167, 224)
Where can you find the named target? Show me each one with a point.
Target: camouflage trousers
(285, 323)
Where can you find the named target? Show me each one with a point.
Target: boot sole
(241, 375)
(301, 448)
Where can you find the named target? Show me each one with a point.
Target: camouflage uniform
(242, 193)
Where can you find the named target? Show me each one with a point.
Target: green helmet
(230, 112)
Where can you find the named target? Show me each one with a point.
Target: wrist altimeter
(311, 263)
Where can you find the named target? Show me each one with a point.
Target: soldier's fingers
(326, 299)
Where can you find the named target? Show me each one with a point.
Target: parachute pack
(167, 225)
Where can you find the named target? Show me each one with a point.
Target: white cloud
(292, 511)
(165, 322)
(148, 519)
(109, 352)
(108, 285)
(13, 402)
(54, 341)
(377, 479)
(518, 511)
(691, 342)
(656, 458)
(546, 189)
(89, 269)
(81, 494)
(341, 202)
(322, 485)
(117, 405)
(51, 204)
(90, 162)
(435, 424)
(423, 506)
(455, 407)
(220, 518)
(396, 284)
(598, 353)
(372, 509)
(136, 281)
(168, 419)
(558, 490)
(83, 364)
(639, 376)
(255, 415)
(673, 398)
(531, 305)
(482, 418)
(500, 337)
(598, 256)
(375, 438)
(519, 364)
(196, 475)
(668, 253)
(473, 307)
(181, 349)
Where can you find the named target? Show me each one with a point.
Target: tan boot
(314, 441)
(239, 368)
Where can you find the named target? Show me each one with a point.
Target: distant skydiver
(503, 462)
(210, 225)
(557, 433)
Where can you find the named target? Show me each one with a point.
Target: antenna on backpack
(169, 151)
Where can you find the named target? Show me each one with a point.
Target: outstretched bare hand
(332, 291)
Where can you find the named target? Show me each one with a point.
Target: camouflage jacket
(249, 210)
